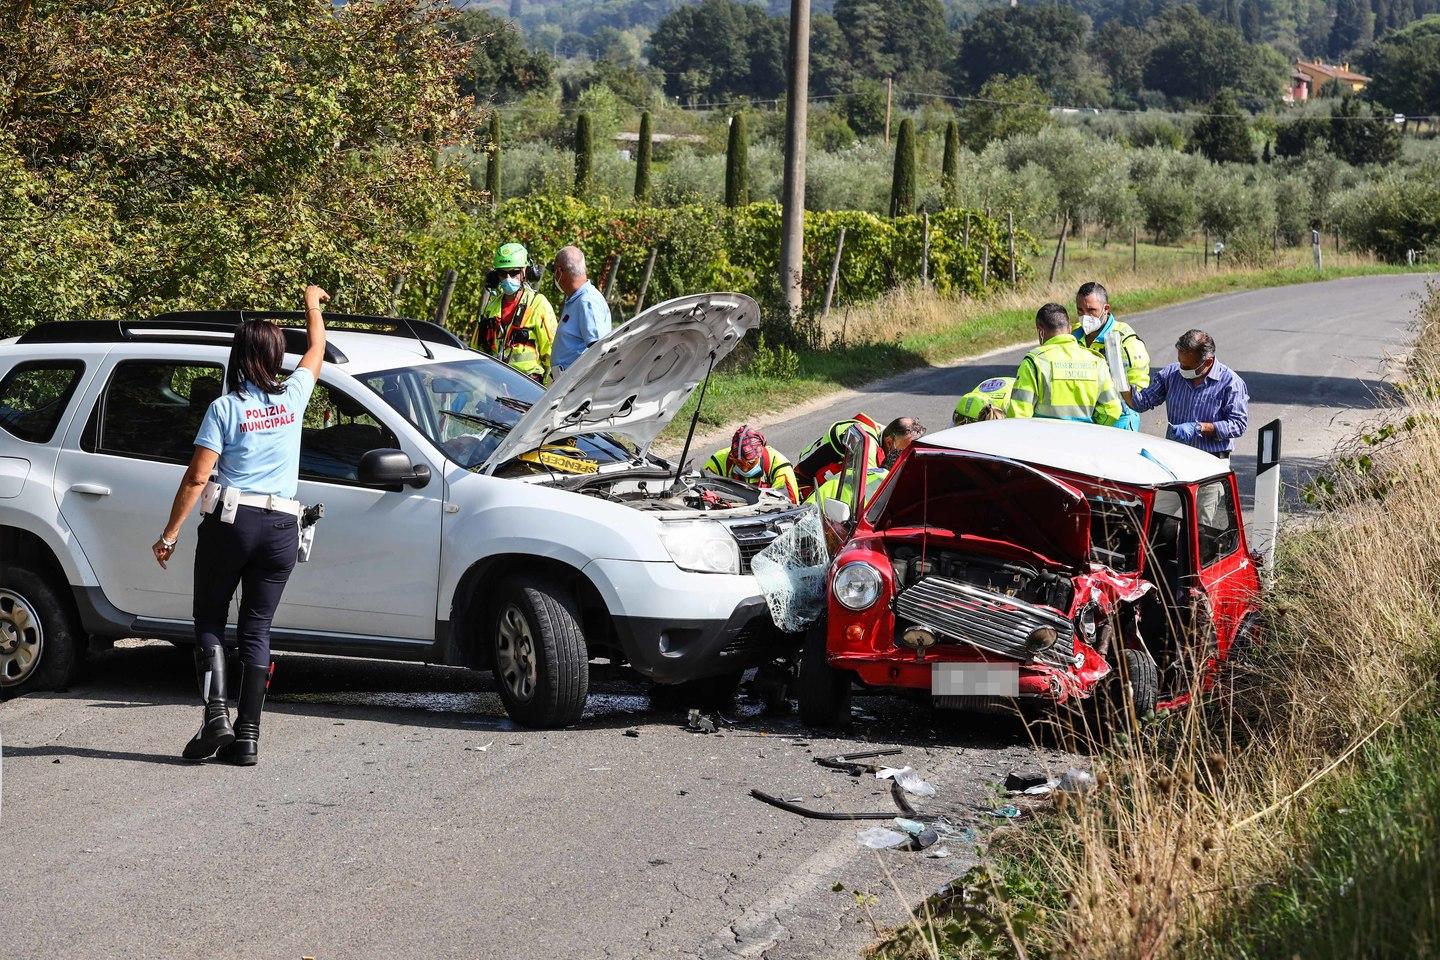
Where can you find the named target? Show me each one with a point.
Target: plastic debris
(910, 781)
(1009, 811)
(699, 723)
(1040, 789)
(1017, 781)
(881, 838)
(632, 732)
(926, 839)
(1076, 781)
(912, 827)
(938, 853)
(791, 574)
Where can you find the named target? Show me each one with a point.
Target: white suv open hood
(635, 380)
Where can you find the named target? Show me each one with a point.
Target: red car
(1031, 563)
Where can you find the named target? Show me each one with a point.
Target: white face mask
(1091, 325)
(1193, 374)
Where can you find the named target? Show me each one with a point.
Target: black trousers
(256, 553)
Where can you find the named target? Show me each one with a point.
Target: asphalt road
(396, 812)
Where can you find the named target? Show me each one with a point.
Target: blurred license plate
(975, 680)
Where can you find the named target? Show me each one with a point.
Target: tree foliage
(1044, 42)
(1223, 134)
(492, 159)
(737, 164)
(584, 155)
(1405, 67)
(500, 66)
(157, 156)
(902, 185)
(907, 39)
(950, 166)
(718, 49)
(1005, 107)
(643, 149)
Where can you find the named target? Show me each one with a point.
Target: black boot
(215, 731)
(245, 751)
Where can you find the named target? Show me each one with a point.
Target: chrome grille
(989, 621)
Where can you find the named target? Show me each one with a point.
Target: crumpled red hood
(975, 495)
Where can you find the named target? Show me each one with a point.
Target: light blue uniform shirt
(584, 318)
(258, 436)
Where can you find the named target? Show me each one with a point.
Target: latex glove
(1184, 432)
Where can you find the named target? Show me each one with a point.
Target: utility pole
(889, 94)
(797, 102)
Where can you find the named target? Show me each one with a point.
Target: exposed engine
(1020, 581)
(661, 491)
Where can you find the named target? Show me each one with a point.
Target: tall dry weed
(1193, 813)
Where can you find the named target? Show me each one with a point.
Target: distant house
(1307, 79)
(626, 142)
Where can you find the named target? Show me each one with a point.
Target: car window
(1219, 525)
(1167, 544)
(857, 456)
(34, 396)
(466, 407)
(151, 409)
(338, 431)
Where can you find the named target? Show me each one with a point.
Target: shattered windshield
(466, 407)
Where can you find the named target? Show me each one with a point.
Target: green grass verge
(1366, 878)
(736, 395)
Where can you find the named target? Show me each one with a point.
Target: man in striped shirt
(1206, 403)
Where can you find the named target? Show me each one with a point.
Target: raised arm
(314, 330)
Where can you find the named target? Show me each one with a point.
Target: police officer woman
(249, 536)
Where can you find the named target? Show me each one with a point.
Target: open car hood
(987, 499)
(635, 380)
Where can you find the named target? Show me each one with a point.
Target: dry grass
(1197, 810)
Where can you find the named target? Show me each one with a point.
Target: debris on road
(1018, 781)
(937, 853)
(810, 814)
(697, 722)
(846, 761)
(1076, 781)
(632, 732)
(1008, 812)
(907, 777)
(881, 838)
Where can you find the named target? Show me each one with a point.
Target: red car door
(1227, 574)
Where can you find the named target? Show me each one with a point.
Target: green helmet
(511, 256)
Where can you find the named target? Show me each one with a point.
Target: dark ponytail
(256, 356)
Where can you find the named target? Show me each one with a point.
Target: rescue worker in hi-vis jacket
(517, 323)
(1062, 380)
(749, 460)
(986, 402)
(1092, 303)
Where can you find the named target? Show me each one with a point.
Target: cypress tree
(492, 160)
(737, 164)
(950, 166)
(584, 155)
(902, 187)
(642, 160)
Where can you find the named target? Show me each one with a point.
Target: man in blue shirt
(1206, 403)
(584, 317)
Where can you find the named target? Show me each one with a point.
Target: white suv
(471, 517)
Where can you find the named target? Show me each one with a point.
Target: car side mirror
(836, 511)
(391, 468)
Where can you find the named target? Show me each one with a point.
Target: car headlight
(701, 546)
(857, 585)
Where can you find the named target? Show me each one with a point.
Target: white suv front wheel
(542, 667)
(39, 647)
